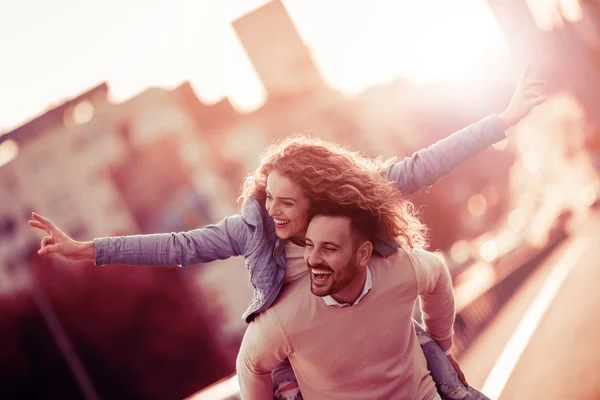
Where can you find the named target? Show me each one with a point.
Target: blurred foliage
(140, 333)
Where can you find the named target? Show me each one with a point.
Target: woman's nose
(273, 209)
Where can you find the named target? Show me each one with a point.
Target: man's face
(330, 254)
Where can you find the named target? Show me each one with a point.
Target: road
(544, 343)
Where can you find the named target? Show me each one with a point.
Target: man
(352, 337)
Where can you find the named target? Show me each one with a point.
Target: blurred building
(89, 154)
(517, 24)
(279, 56)
(54, 174)
(98, 169)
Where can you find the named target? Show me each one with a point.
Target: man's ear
(364, 253)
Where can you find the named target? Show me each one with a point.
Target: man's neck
(354, 289)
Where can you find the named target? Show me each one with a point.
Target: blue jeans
(442, 372)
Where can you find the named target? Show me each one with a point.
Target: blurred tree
(140, 333)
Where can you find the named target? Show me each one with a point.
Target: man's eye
(288, 204)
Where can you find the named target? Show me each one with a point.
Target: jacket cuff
(100, 245)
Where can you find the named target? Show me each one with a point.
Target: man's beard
(335, 282)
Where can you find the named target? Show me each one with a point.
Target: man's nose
(314, 257)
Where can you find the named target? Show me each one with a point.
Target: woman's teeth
(281, 221)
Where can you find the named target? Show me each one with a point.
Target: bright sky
(52, 50)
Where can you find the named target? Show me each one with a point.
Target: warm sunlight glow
(549, 14)
(354, 46)
(477, 205)
(516, 220)
(460, 251)
(501, 145)
(9, 149)
(531, 161)
(83, 112)
(464, 38)
(489, 251)
(544, 13)
(589, 196)
(526, 201)
(571, 10)
(472, 283)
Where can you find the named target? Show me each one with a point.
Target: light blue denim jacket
(251, 233)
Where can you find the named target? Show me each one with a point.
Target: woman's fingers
(536, 101)
(525, 73)
(52, 248)
(532, 83)
(46, 241)
(532, 94)
(39, 225)
(43, 221)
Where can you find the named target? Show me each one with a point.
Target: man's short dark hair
(363, 222)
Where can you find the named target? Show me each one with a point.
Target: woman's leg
(285, 384)
(442, 372)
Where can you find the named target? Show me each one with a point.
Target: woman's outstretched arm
(232, 236)
(426, 166)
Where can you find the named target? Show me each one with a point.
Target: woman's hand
(461, 375)
(525, 99)
(57, 242)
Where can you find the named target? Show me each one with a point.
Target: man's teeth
(281, 221)
(317, 272)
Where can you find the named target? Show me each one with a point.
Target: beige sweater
(367, 351)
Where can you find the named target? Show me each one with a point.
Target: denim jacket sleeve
(426, 166)
(232, 236)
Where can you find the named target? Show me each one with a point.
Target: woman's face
(288, 207)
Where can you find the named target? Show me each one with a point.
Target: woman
(275, 212)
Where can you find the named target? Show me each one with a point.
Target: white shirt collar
(330, 301)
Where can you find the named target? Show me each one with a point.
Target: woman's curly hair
(332, 174)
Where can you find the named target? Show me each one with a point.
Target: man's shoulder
(423, 260)
(398, 261)
(408, 256)
(427, 267)
(405, 264)
(294, 303)
(293, 293)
